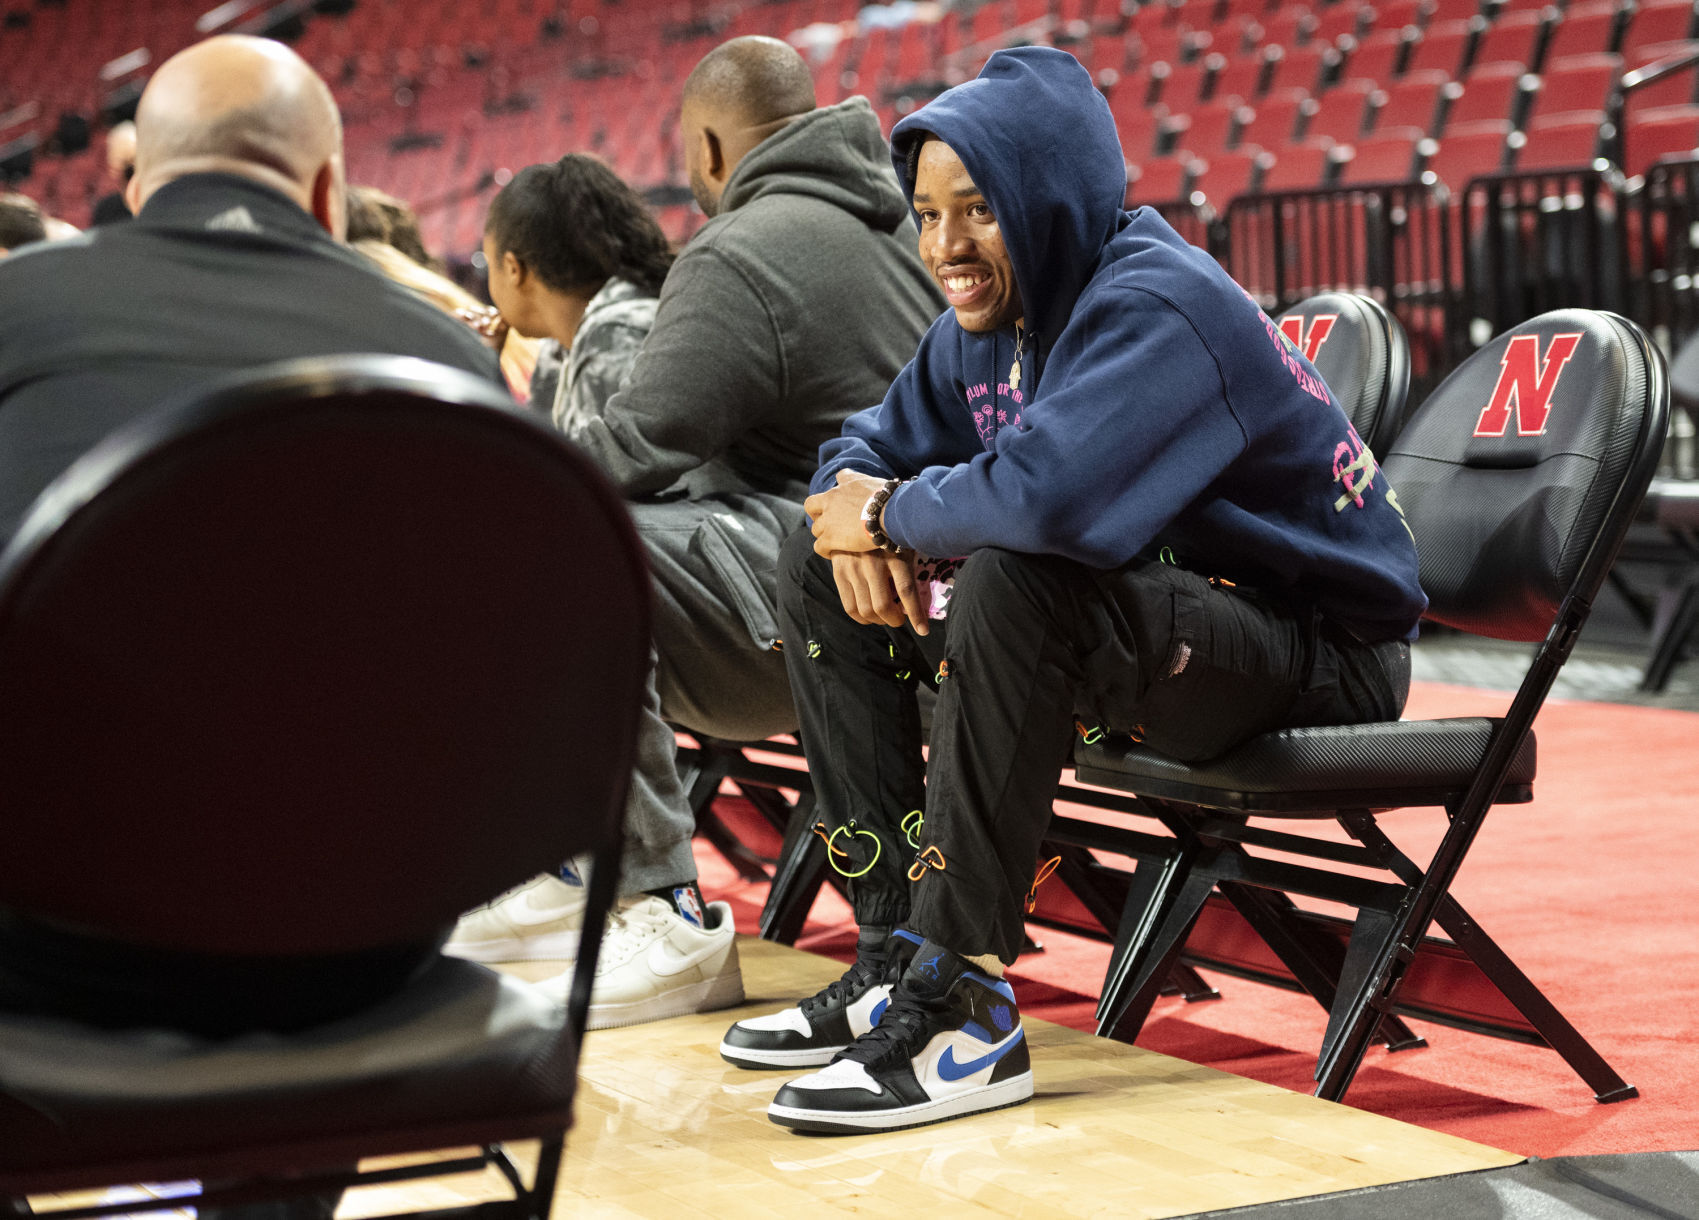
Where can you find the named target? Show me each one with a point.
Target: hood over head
(1037, 138)
(835, 153)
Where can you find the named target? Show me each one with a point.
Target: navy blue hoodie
(1158, 406)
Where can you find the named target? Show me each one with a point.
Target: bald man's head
(247, 106)
(739, 94)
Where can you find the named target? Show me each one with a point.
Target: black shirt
(216, 274)
(109, 210)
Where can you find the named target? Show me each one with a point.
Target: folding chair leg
(1188, 984)
(1515, 986)
(797, 877)
(1129, 995)
(769, 803)
(1678, 613)
(1313, 959)
(702, 771)
(1563, 1037)
(1368, 932)
(541, 1197)
(1145, 887)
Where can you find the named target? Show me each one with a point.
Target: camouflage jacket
(616, 321)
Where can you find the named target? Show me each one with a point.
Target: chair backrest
(1520, 473)
(313, 661)
(1362, 353)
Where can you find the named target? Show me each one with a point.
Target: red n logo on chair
(1294, 325)
(1525, 385)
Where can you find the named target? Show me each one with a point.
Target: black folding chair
(1362, 353)
(1519, 477)
(304, 666)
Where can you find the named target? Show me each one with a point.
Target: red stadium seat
(1290, 26)
(1417, 100)
(1181, 86)
(1275, 119)
(1513, 38)
(1674, 90)
(1345, 18)
(1567, 140)
(1161, 179)
(1380, 56)
(1577, 82)
(1395, 14)
(1445, 45)
(1455, 10)
(1489, 92)
(1242, 77)
(1467, 151)
(1387, 156)
(1225, 176)
(1670, 131)
(1658, 21)
(1586, 29)
(1343, 113)
(1138, 126)
(1301, 67)
(1307, 165)
(1210, 128)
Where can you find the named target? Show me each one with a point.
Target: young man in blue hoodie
(1144, 509)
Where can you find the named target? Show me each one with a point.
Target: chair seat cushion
(462, 1045)
(1317, 771)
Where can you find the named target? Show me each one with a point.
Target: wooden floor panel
(667, 1129)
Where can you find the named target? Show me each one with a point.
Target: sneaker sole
(547, 947)
(757, 1060)
(1000, 1096)
(724, 991)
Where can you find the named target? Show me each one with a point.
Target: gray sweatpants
(713, 564)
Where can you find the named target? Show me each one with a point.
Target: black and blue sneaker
(949, 1043)
(808, 1034)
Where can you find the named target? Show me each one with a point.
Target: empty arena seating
(1215, 99)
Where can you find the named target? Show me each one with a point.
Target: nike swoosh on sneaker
(949, 1069)
(667, 961)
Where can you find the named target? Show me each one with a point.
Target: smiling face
(961, 244)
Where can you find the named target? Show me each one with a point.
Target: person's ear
(714, 156)
(329, 199)
(133, 194)
(514, 268)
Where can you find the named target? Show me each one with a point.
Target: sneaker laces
(863, 974)
(909, 1021)
(626, 932)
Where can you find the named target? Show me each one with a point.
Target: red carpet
(1593, 889)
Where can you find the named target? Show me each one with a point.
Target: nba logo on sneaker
(929, 967)
(1001, 1019)
(684, 898)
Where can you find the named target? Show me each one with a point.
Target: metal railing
(1392, 241)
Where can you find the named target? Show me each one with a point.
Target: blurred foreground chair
(305, 666)
(1519, 477)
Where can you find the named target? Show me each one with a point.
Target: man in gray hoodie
(795, 305)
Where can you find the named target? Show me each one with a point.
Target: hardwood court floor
(667, 1129)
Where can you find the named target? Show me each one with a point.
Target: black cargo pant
(1032, 642)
